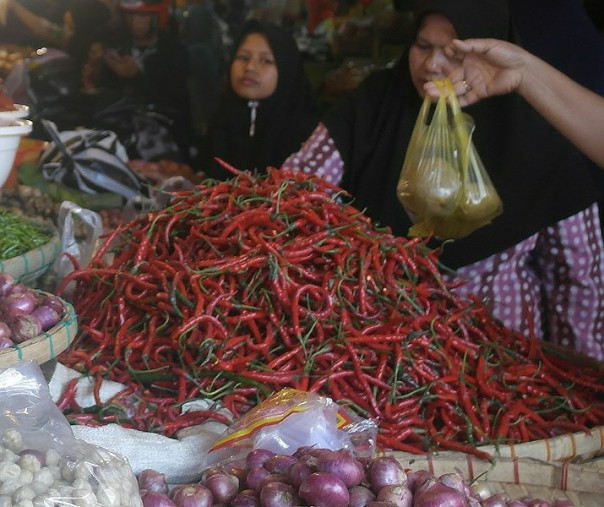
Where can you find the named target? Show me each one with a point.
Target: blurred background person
(201, 30)
(149, 65)
(268, 108)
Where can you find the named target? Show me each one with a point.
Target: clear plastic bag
(42, 463)
(291, 419)
(444, 186)
(79, 249)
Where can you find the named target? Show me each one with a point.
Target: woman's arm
(493, 67)
(50, 32)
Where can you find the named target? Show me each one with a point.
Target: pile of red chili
(240, 288)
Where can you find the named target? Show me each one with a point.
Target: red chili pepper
(239, 288)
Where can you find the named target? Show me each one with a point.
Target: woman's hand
(124, 66)
(488, 67)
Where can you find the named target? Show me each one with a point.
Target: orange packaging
(28, 151)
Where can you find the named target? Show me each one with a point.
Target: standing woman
(539, 265)
(268, 108)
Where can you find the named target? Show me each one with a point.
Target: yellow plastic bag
(443, 185)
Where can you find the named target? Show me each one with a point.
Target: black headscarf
(91, 21)
(540, 176)
(284, 120)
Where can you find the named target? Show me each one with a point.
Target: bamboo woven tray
(29, 266)
(46, 346)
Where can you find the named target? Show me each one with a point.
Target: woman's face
(426, 58)
(140, 24)
(254, 71)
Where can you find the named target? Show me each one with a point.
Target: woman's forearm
(577, 112)
(37, 25)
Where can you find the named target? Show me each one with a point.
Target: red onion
(303, 451)
(386, 471)
(5, 336)
(47, 316)
(246, 498)
(240, 473)
(416, 478)
(192, 495)
(6, 343)
(156, 499)
(278, 494)
(360, 496)
(399, 495)
(439, 495)
(562, 502)
(254, 476)
(54, 302)
(496, 500)
(321, 489)
(298, 472)
(7, 282)
(378, 503)
(223, 486)
(19, 303)
(310, 460)
(258, 457)
(279, 463)
(271, 477)
(456, 481)
(211, 471)
(472, 502)
(151, 480)
(343, 465)
(25, 327)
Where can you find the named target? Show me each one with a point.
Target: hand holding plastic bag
(443, 185)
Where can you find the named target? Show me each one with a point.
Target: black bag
(92, 161)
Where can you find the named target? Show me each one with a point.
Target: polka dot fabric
(318, 156)
(551, 282)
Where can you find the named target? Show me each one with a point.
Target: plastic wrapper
(291, 419)
(42, 463)
(79, 249)
(444, 186)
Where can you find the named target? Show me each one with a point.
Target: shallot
(192, 495)
(326, 478)
(321, 489)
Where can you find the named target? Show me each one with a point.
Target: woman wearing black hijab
(539, 265)
(252, 131)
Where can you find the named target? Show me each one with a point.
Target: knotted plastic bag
(443, 185)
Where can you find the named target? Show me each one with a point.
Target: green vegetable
(19, 235)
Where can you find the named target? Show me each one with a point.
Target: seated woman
(539, 265)
(268, 108)
(147, 65)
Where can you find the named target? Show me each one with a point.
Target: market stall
(202, 316)
(236, 290)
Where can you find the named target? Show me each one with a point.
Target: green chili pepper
(19, 235)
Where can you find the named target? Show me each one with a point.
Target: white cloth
(181, 460)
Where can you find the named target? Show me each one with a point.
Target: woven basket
(46, 346)
(31, 265)
(581, 484)
(578, 447)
